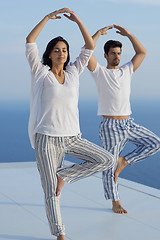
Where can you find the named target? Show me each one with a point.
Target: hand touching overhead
(121, 30)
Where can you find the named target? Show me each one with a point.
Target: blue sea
(15, 145)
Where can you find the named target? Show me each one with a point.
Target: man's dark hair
(46, 60)
(111, 44)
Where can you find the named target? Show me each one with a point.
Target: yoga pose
(117, 127)
(54, 117)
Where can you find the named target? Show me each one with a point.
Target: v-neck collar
(56, 80)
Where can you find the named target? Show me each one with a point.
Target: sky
(18, 17)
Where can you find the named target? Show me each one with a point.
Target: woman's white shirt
(54, 106)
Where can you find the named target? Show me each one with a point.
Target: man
(117, 127)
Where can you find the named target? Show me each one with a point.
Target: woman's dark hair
(46, 60)
(111, 44)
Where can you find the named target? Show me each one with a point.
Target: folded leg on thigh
(95, 159)
(147, 143)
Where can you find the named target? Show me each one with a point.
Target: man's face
(113, 56)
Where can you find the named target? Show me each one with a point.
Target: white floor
(86, 214)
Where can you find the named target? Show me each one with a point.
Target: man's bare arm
(93, 61)
(138, 47)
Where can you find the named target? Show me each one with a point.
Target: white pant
(49, 155)
(114, 135)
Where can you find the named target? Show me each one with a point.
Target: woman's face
(59, 54)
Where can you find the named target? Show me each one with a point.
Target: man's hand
(140, 51)
(122, 31)
(93, 62)
(103, 31)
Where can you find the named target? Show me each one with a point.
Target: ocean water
(15, 145)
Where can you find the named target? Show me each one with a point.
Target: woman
(54, 118)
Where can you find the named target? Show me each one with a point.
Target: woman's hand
(89, 44)
(53, 15)
(38, 28)
(73, 17)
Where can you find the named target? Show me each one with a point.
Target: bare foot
(60, 183)
(61, 237)
(122, 163)
(117, 208)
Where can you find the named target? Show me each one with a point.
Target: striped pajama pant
(114, 134)
(49, 154)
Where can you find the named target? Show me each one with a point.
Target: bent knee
(156, 144)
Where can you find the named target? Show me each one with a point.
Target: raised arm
(38, 28)
(93, 61)
(89, 44)
(138, 47)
